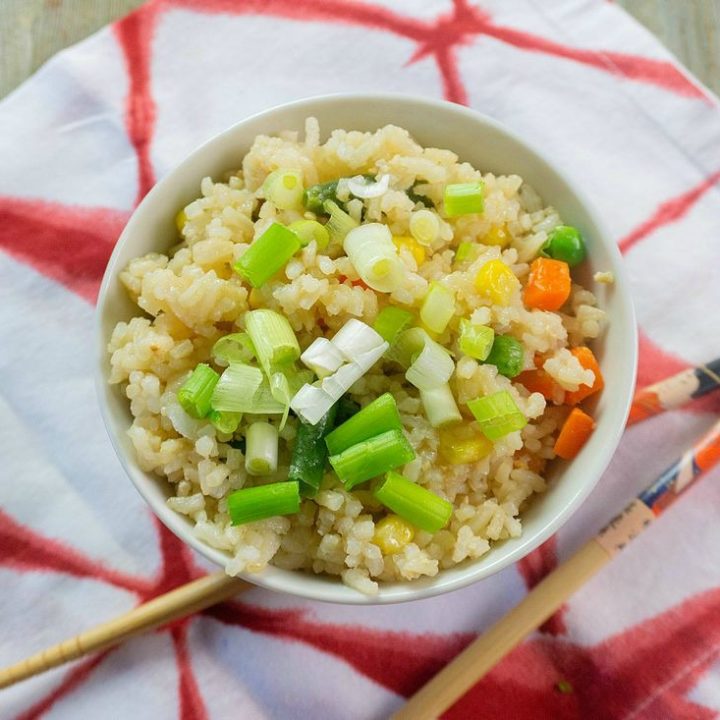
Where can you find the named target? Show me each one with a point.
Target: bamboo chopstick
(185, 600)
(539, 604)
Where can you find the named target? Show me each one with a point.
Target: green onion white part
(440, 406)
(284, 188)
(359, 187)
(273, 338)
(322, 357)
(425, 226)
(432, 367)
(375, 257)
(261, 449)
(311, 403)
(355, 339)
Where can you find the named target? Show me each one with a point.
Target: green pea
(565, 243)
(508, 355)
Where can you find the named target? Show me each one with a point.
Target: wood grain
(31, 31)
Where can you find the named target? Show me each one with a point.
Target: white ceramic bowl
(490, 147)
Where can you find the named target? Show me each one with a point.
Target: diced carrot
(548, 286)
(589, 362)
(574, 434)
(539, 381)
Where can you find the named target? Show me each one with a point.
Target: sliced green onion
(355, 338)
(273, 339)
(195, 394)
(466, 251)
(309, 230)
(315, 196)
(284, 188)
(233, 348)
(463, 199)
(374, 256)
(432, 368)
(280, 391)
(372, 457)
(565, 243)
(243, 389)
(322, 357)
(408, 345)
(413, 503)
(391, 321)
(497, 414)
(309, 454)
(362, 347)
(225, 422)
(236, 388)
(337, 384)
(265, 501)
(438, 307)
(475, 340)
(424, 226)
(311, 403)
(440, 406)
(508, 355)
(339, 223)
(267, 254)
(379, 416)
(261, 448)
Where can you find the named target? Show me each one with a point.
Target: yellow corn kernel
(255, 299)
(465, 443)
(497, 282)
(392, 534)
(180, 220)
(498, 235)
(417, 250)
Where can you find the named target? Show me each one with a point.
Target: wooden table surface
(33, 30)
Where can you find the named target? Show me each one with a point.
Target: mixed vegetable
(264, 371)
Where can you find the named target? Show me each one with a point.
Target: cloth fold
(80, 144)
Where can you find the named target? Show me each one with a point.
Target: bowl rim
(292, 581)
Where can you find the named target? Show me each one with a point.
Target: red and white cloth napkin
(84, 139)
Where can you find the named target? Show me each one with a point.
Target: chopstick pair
(481, 655)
